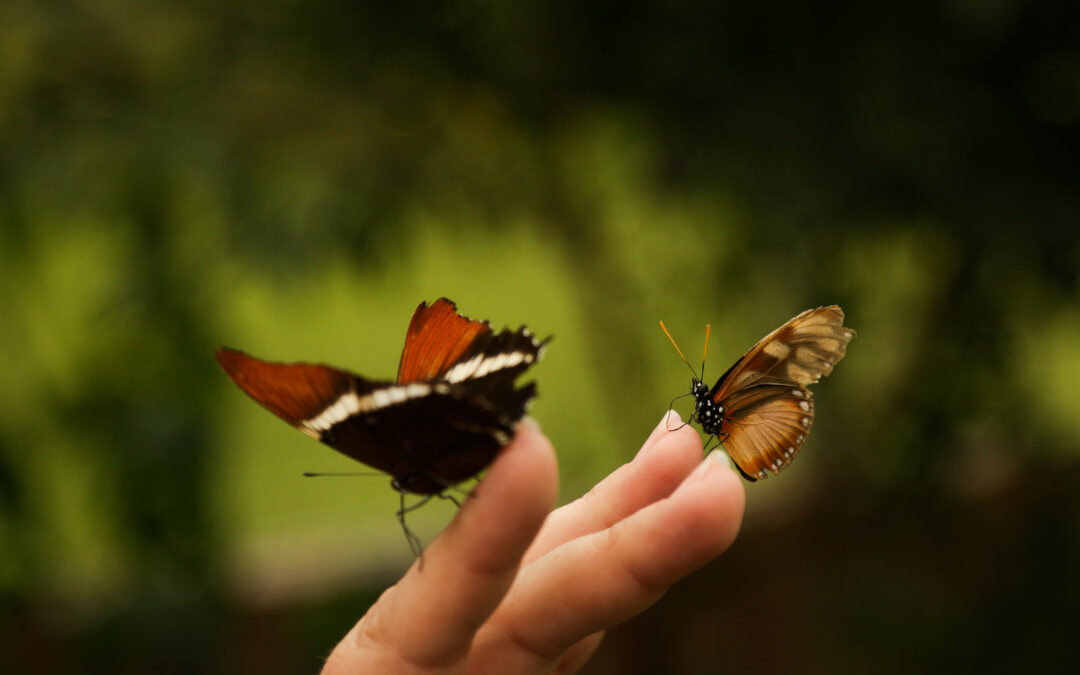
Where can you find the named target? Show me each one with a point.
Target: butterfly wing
(802, 351)
(767, 409)
(295, 392)
(437, 338)
(312, 398)
(434, 440)
(765, 427)
(479, 364)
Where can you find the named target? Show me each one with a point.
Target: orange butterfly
(761, 409)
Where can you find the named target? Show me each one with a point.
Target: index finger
(429, 618)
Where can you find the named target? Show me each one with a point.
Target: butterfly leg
(718, 439)
(671, 406)
(444, 495)
(414, 542)
(464, 493)
(450, 486)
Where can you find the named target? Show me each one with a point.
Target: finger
(599, 580)
(669, 422)
(428, 619)
(659, 468)
(579, 654)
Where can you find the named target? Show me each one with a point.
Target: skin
(513, 587)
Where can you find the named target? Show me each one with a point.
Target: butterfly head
(698, 389)
(703, 398)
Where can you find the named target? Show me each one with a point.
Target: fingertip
(671, 419)
(529, 457)
(718, 456)
(535, 463)
(669, 422)
(733, 500)
(682, 436)
(511, 502)
(687, 440)
(666, 464)
(718, 494)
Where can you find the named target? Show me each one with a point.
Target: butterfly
(760, 409)
(453, 406)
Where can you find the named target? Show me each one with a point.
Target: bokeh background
(292, 178)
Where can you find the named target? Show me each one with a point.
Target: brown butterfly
(453, 406)
(760, 409)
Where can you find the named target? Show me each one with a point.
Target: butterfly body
(707, 412)
(761, 409)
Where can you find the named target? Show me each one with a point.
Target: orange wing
(767, 409)
(437, 338)
(800, 352)
(295, 392)
(765, 427)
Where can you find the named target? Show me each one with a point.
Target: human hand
(510, 588)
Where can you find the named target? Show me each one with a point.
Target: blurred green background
(293, 178)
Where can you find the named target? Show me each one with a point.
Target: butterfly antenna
(708, 329)
(664, 328)
(317, 474)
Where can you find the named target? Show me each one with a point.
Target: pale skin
(513, 587)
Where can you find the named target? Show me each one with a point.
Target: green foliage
(292, 178)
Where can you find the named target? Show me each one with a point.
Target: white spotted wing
(767, 408)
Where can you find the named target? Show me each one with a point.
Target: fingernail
(718, 456)
(530, 423)
(671, 418)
